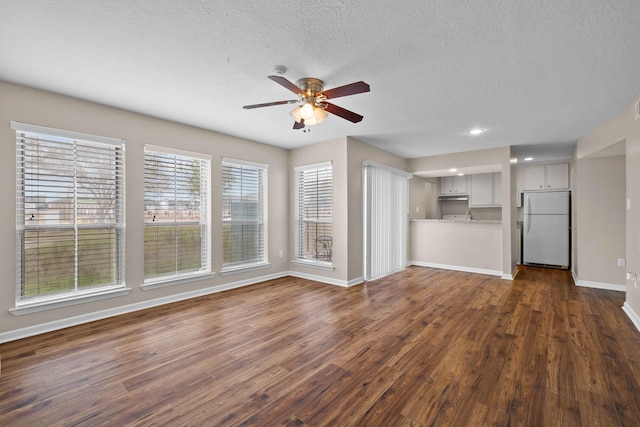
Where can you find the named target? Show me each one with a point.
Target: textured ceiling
(538, 72)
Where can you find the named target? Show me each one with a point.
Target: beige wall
(419, 198)
(46, 109)
(633, 214)
(600, 227)
(358, 152)
(626, 130)
(475, 247)
(346, 155)
(336, 152)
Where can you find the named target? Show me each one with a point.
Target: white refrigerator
(547, 229)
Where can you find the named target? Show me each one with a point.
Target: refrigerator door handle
(526, 213)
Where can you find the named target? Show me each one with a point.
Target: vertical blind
(70, 213)
(176, 213)
(313, 212)
(386, 217)
(244, 196)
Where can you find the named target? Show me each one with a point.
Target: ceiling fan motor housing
(310, 85)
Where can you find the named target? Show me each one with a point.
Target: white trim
(598, 285)
(354, 282)
(635, 319)
(458, 268)
(244, 268)
(103, 314)
(314, 264)
(176, 152)
(371, 163)
(165, 281)
(320, 279)
(68, 300)
(321, 165)
(25, 127)
(244, 163)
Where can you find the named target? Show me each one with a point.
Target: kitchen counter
(464, 221)
(473, 246)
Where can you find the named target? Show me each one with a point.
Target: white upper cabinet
(453, 185)
(532, 177)
(557, 176)
(544, 177)
(485, 190)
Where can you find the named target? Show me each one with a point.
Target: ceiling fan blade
(298, 125)
(350, 89)
(286, 83)
(344, 113)
(269, 104)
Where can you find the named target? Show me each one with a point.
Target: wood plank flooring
(419, 348)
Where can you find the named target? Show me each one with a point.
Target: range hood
(453, 197)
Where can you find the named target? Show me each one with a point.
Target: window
(244, 214)
(313, 214)
(176, 214)
(70, 215)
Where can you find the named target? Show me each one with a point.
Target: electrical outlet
(621, 262)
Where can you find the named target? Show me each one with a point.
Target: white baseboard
(598, 285)
(632, 315)
(354, 282)
(90, 317)
(322, 279)
(458, 268)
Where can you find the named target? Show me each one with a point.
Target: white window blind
(385, 220)
(70, 213)
(176, 220)
(244, 215)
(314, 213)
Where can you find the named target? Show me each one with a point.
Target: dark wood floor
(421, 347)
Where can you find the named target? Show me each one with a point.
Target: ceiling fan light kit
(312, 99)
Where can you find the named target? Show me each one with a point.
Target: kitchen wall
(502, 158)
(28, 105)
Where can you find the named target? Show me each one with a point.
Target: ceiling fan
(312, 98)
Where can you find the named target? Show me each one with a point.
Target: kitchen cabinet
(544, 177)
(485, 190)
(453, 185)
(557, 176)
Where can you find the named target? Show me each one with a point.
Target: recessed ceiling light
(528, 159)
(453, 170)
(476, 131)
(460, 174)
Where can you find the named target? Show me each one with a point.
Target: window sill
(175, 280)
(321, 265)
(243, 268)
(50, 304)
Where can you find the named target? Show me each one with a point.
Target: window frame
(78, 144)
(300, 220)
(261, 220)
(169, 279)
